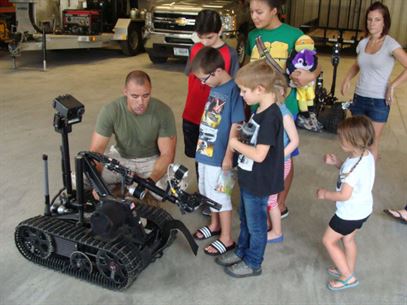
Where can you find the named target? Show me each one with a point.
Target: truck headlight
(229, 23)
(149, 20)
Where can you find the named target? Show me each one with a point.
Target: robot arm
(174, 192)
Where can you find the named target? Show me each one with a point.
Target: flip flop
(206, 233)
(399, 217)
(333, 271)
(220, 248)
(276, 240)
(284, 213)
(345, 284)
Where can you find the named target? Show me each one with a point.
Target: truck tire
(157, 59)
(134, 43)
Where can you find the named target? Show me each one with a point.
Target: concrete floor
(293, 272)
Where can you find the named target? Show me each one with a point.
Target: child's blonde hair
(260, 73)
(358, 131)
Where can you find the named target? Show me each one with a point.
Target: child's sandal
(205, 233)
(344, 284)
(333, 271)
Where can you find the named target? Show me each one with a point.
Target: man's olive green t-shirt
(136, 135)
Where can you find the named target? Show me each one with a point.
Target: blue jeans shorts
(374, 108)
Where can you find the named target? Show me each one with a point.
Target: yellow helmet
(304, 42)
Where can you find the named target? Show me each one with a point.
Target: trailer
(77, 24)
(339, 21)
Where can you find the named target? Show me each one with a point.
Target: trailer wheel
(157, 59)
(134, 43)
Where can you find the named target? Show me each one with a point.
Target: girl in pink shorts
(291, 141)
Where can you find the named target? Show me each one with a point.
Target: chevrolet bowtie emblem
(181, 21)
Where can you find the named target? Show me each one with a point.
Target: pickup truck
(170, 26)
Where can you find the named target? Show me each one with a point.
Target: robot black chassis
(109, 241)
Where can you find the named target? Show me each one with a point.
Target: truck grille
(174, 22)
(179, 40)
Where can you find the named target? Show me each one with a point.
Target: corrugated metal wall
(398, 12)
(302, 11)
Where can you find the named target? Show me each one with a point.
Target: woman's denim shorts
(374, 108)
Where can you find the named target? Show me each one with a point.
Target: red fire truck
(7, 18)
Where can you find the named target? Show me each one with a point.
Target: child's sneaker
(301, 121)
(315, 121)
(228, 259)
(241, 269)
(306, 123)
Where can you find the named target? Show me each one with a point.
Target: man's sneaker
(206, 211)
(306, 123)
(228, 259)
(315, 121)
(241, 270)
(284, 213)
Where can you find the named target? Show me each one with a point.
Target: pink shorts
(272, 201)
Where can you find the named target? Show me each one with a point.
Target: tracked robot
(108, 241)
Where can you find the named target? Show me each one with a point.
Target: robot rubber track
(113, 264)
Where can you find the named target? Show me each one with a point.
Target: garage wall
(302, 11)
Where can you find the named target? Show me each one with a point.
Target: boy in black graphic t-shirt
(260, 165)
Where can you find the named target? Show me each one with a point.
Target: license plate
(83, 38)
(181, 52)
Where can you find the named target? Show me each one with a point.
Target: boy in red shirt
(209, 31)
